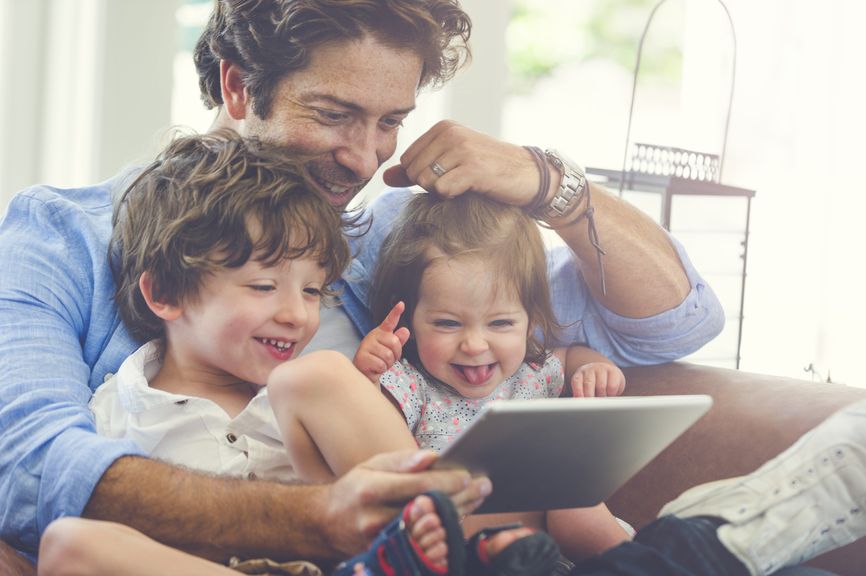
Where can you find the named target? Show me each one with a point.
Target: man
(332, 79)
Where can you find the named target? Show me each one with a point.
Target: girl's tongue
(477, 374)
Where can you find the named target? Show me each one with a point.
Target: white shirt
(187, 430)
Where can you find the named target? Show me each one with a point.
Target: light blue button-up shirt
(60, 334)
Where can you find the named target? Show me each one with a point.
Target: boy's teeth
(277, 343)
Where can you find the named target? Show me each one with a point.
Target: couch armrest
(753, 418)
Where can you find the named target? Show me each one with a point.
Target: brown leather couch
(753, 418)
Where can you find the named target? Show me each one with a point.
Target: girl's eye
(313, 291)
(502, 323)
(446, 323)
(262, 287)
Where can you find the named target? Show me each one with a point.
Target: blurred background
(93, 85)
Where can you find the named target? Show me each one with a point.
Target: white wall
(88, 87)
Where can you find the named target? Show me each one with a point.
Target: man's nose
(361, 153)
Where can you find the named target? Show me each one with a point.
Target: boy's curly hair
(210, 202)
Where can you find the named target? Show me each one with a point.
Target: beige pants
(266, 567)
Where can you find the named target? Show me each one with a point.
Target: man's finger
(396, 176)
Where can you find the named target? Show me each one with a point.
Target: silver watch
(571, 186)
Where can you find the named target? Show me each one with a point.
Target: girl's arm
(588, 373)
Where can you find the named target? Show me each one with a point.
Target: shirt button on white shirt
(252, 476)
(108, 376)
(231, 438)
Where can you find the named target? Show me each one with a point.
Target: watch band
(572, 185)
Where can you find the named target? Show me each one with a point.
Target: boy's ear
(162, 310)
(234, 90)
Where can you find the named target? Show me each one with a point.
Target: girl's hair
(501, 236)
(210, 202)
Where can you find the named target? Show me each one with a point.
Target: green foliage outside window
(543, 35)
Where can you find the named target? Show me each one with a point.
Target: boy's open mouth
(281, 349)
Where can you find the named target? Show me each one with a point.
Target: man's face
(345, 108)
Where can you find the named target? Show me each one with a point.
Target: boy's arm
(589, 373)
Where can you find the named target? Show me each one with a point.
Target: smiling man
(331, 80)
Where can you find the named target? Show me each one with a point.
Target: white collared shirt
(187, 430)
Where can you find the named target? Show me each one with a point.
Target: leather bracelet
(534, 207)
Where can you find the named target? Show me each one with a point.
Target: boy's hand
(597, 379)
(382, 346)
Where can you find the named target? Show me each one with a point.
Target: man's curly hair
(271, 38)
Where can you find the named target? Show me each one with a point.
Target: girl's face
(470, 328)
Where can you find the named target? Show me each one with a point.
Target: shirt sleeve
(380, 215)
(664, 337)
(50, 457)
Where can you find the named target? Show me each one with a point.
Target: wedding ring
(438, 169)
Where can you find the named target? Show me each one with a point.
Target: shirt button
(231, 438)
(108, 376)
(252, 476)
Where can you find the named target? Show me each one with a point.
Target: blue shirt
(60, 336)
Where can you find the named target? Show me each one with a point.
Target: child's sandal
(533, 555)
(395, 553)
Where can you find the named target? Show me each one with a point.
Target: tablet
(567, 452)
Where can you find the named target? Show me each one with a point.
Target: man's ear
(162, 310)
(234, 90)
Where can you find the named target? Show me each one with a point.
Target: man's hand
(382, 346)
(468, 160)
(363, 501)
(597, 379)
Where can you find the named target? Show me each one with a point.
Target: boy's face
(248, 320)
(345, 108)
(470, 330)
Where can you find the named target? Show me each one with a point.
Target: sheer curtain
(797, 136)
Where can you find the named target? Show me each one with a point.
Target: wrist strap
(537, 205)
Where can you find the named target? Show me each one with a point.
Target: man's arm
(54, 328)
(645, 274)
(217, 517)
(642, 272)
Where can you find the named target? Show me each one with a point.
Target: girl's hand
(597, 379)
(382, 346)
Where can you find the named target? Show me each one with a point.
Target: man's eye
(392, 123)
(331, 116)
